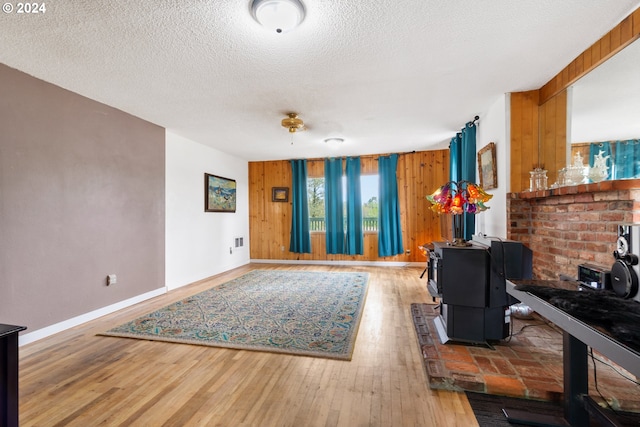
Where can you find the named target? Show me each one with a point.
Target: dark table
(9, 375)
(577, 335)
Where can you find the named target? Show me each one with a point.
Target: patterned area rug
(296, 312)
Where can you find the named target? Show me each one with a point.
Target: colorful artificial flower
(458, 197)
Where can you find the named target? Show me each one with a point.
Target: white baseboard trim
(83, 318)
(345, 263)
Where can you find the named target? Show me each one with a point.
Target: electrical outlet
(112, 279)
(281, 248)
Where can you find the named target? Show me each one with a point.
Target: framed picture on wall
(280, 194)
(487, 167)
(219, 194)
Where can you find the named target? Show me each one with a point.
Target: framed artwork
(280, 194)
(219, 194)
(487, 167)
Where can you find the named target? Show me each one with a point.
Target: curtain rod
(473, 122)
(364, 156)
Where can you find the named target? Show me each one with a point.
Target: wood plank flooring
(76, 378)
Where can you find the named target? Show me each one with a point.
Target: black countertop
(599, 318)
(10, 329)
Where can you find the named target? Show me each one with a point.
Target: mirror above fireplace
(604, 105)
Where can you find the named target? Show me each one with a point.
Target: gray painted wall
(81, 196)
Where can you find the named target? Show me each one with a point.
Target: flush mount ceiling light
(334, 141)
(278, 15)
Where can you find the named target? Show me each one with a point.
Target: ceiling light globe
(278, 15)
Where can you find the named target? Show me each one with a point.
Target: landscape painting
(487, 170)
(219, 194)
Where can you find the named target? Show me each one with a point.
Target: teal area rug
(296, 312)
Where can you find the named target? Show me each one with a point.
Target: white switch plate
(112, 279)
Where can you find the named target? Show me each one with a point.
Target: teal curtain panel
(468, 169)
(624, 159)
(333, 206)
(355, 238)
(389, 227)
(300, 238)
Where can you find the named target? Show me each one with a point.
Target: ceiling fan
(293, 123)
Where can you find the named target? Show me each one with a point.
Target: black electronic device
(470, 281)
(627, 240)
(594, 277)
(509, 260)
(626, 269)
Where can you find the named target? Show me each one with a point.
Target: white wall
(494, 128)
(197, 242)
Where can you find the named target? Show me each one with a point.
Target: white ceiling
(388, 76)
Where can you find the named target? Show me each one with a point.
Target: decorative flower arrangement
(455, 198)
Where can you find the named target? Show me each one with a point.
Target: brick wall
(569, 226)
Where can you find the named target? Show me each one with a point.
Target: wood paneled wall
(524, 137)
(552, 118)
(539, 117)
(419, 174)
(538, 136)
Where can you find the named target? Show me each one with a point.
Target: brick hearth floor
(527, 365)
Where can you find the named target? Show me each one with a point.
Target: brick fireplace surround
(572, 225)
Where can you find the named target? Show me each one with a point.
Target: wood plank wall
(550, 113)
(524, 137)
(538, 136)
(419, 174)
(552, 116)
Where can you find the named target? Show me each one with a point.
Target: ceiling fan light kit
(280, 16)
(293, 123)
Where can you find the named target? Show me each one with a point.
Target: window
(368, 193)
(315, 199)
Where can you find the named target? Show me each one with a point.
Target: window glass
(368, 193)
(315, 199)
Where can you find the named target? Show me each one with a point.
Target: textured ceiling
(387, 76)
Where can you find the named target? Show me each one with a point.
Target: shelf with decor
(594, 187)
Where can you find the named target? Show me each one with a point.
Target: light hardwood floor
(76, 378)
